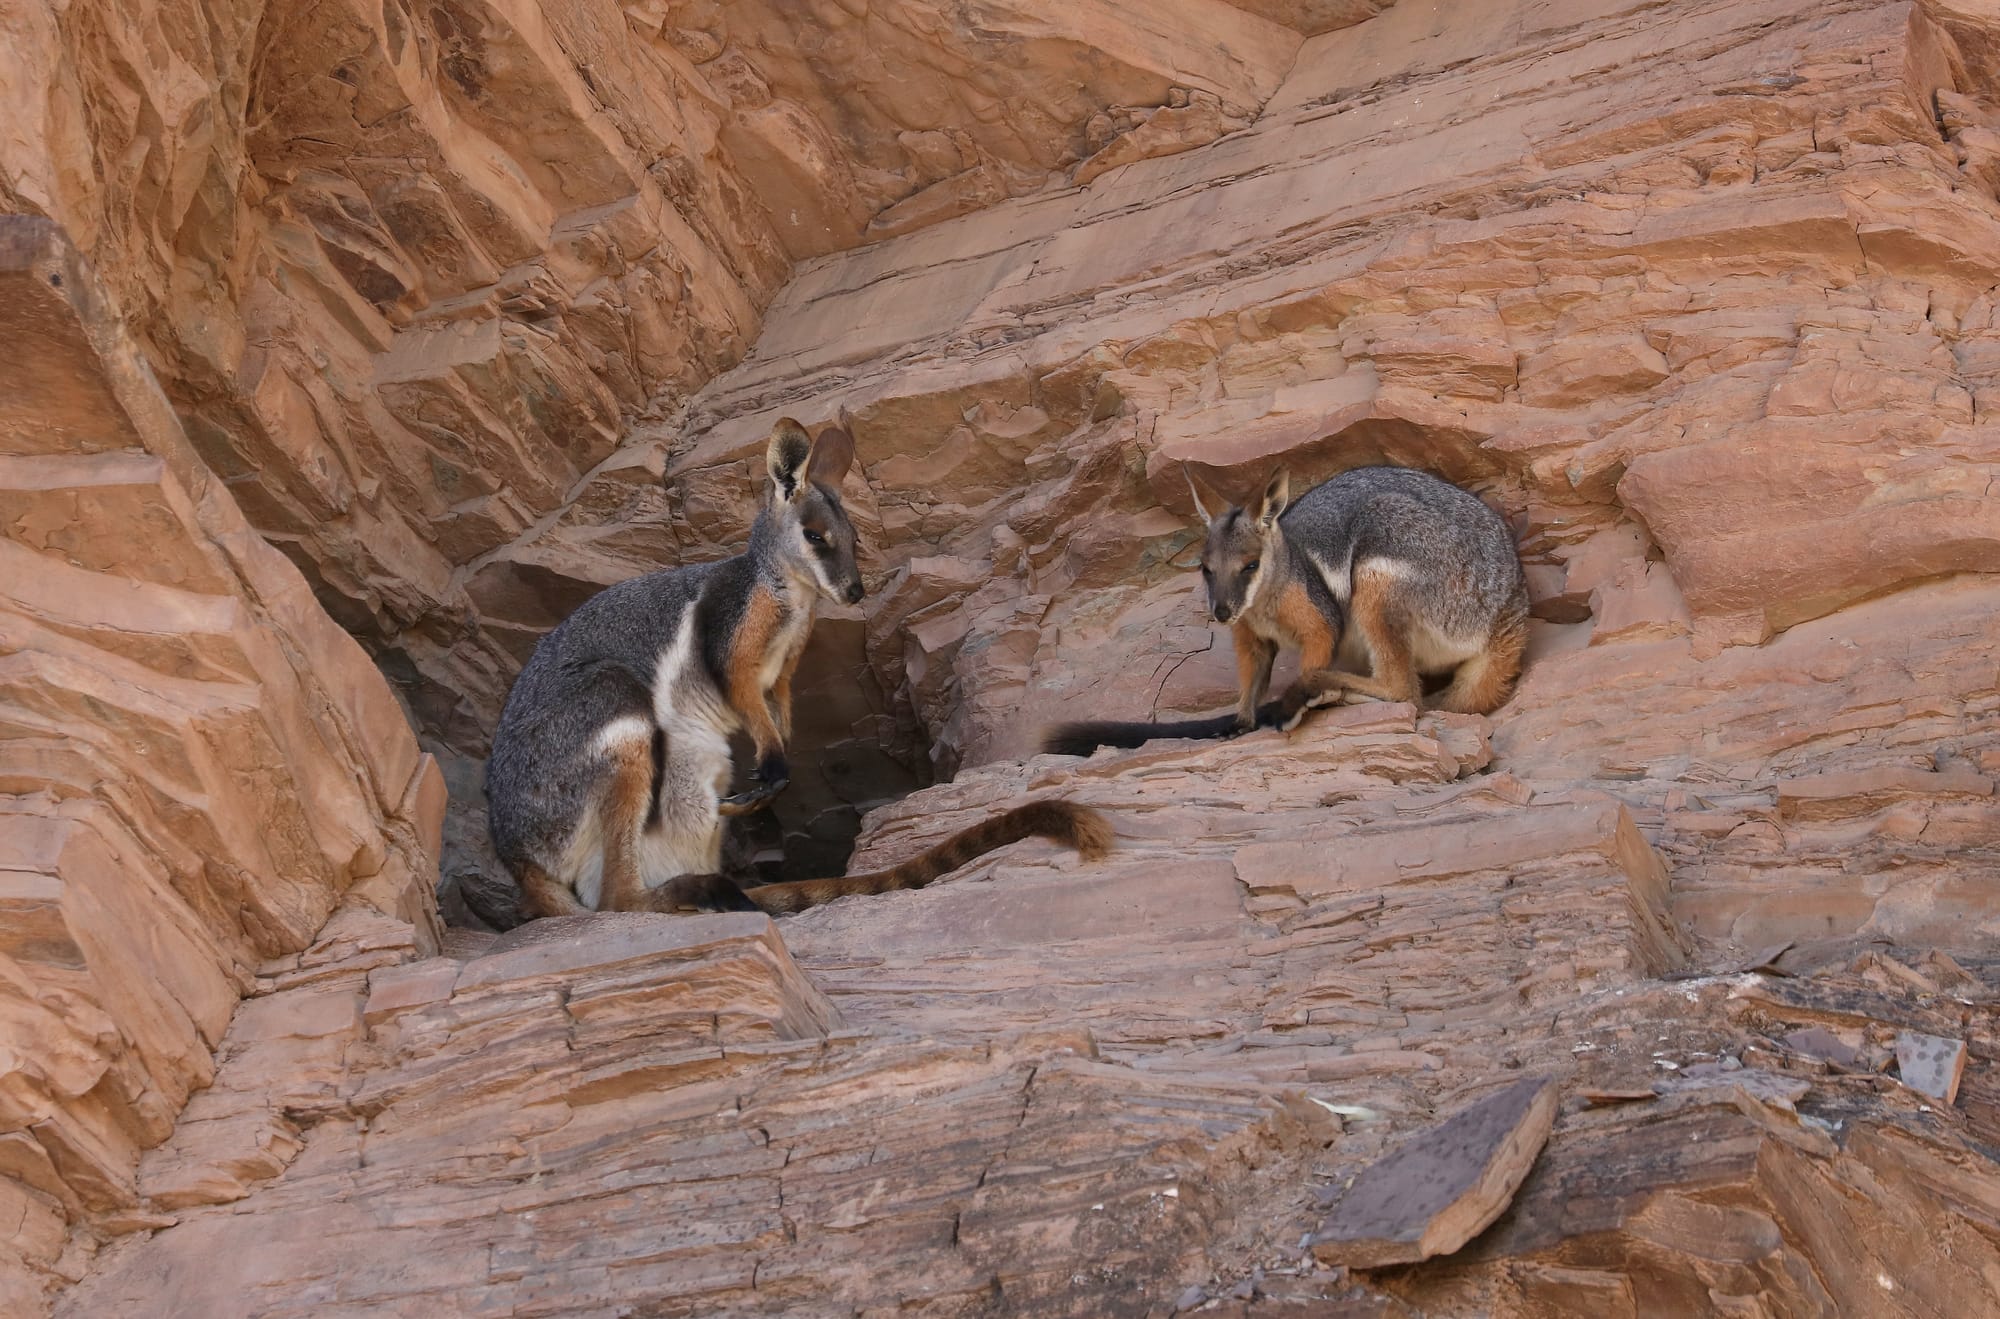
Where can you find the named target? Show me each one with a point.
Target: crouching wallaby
(1391, 572)
(605, 785)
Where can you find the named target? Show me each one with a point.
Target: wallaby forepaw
(1282, 714)
(751, 799)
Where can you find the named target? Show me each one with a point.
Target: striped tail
(1058, 821)
(1082, 739)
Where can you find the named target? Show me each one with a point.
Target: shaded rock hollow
(472, 309)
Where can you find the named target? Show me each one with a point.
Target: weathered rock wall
(1133, 1087)
(197, 768)
(408, 271)
(401, 269)
(1701, 299)
(1699, 294)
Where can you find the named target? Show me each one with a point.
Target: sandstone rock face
(1698, 294)
(408, 271)
(1702, 304)
(1046, 1088)
(197, 768)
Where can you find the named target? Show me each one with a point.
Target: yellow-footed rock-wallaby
(1390, 573)
(605, 785)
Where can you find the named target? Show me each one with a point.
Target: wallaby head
(808, 528)
(1244, 546)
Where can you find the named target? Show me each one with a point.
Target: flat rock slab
(1930, 1064)
(1819, 1042)
(1442, 1186)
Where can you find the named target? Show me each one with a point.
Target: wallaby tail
(1059, 821)
(1084, 738)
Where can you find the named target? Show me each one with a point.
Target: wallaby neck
(1282, 565)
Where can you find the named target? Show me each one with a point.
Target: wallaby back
(1457, 558)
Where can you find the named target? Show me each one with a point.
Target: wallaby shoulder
(742, 604)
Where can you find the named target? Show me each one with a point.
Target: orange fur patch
(1303, 621)
(627, 797)
(1484, 682)
(755, 633)
(1253, 669)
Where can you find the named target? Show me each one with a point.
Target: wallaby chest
(793, 627)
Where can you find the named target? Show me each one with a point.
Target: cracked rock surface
(471, 308)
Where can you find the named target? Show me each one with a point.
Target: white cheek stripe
(818, 569)
(1256, 585)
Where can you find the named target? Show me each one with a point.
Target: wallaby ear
(1272, 503)
(786, 458)
(832, 455)
(1195, 489)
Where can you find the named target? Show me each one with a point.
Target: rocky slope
(476, 307)
(197, 769)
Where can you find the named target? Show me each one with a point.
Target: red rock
(1699, 296)
(199, 763)
(1441, 1188)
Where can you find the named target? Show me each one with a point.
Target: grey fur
(1458, 584)
(1464, 572)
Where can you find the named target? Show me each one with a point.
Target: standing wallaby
(1392, 572)
(605, 786)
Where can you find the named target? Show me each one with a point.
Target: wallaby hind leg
(1484, 682)
(543, 895)
(1384, 624)
(624, 801)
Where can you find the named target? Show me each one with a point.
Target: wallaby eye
(814, 538)
(1251, 566)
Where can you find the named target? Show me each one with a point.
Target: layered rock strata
(197, 768)
(1698, 294)
(1127, 1088)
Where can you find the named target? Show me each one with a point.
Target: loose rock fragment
(1444, 1185)
(1602, 1098)
(1819, 1042)
(1930, 1064)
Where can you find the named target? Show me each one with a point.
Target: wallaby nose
(854, 593)
(1222, 613)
